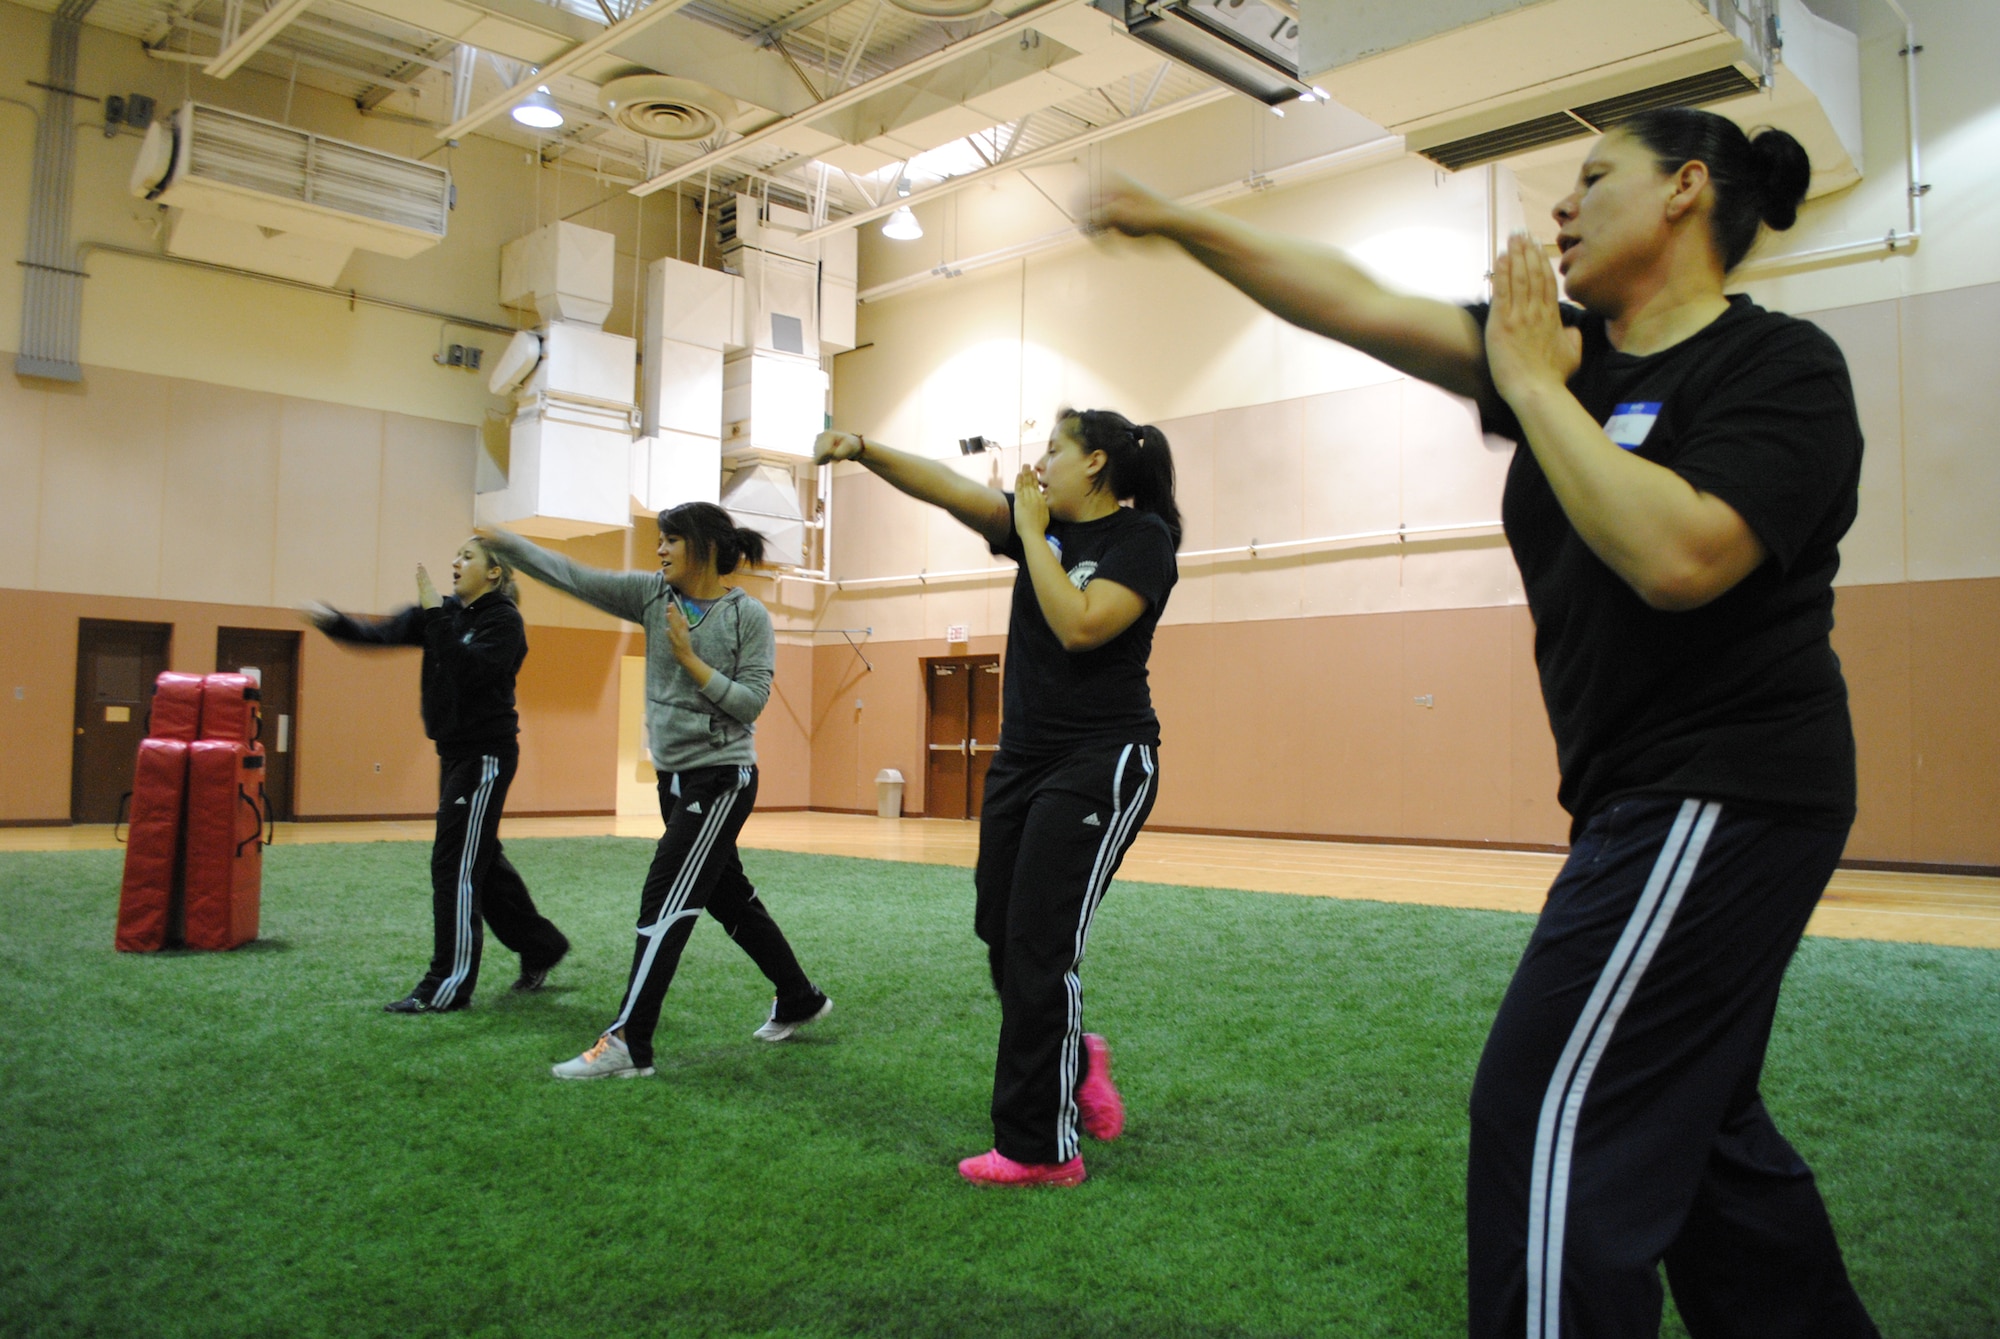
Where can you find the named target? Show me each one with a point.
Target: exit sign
(958, 632)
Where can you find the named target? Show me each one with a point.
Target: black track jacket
(471, 655)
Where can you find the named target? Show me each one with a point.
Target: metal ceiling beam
(812, 13)
(228, 60)
(860, 92)
(576, 56)
(1060, 149)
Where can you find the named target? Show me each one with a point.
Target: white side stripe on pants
(1555, 1133)
(468, 856)
(1117, 835)
(671, 909)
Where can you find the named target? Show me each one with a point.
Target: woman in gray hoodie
(709, 661)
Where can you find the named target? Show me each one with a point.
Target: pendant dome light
(903, 226)
(538, 111)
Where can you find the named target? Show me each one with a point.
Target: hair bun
(1784, 173)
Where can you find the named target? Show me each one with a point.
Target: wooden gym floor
(1952, 909)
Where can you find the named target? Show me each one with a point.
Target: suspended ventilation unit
(256, 195)
(1477, 81)
(1250, 45)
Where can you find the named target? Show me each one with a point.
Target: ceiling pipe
(230, 59)
(1058, 150)
(1021, 22)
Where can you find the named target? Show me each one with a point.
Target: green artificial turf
(244, 1144)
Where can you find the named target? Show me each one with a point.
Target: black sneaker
(534, 978)
(780, 1026)
(416, 1004)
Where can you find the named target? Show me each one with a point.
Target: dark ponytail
(1138, 464)
(712, 534)
(1760, 179)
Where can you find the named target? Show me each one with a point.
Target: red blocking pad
(225, 842)
(153, 846)
(176, 710)
(231, 706)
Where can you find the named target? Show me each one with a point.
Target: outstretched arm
(405, 627)
(621, 594)
(975, 505)
(1312, 286)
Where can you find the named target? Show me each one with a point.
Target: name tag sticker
(1629, 423)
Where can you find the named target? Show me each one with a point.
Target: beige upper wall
(169, 320)
(1281, 435)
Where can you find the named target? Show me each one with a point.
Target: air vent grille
(277, 160)
(1589, 119)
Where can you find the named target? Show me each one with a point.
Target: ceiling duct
(1591, 118)
(661, 107)
(257, 195)
(1250, 45)
(765, 498)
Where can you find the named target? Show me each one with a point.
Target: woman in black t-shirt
(1691, 464)
(1077, 769)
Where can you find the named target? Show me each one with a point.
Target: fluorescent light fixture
(538, 111)
(903, 226)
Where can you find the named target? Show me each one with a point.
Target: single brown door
(984, 740)
(275, 657)
(945, 735)
(962, 732)
(116, 664)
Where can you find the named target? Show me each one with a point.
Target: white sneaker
(609, 1059)
(774, 1030)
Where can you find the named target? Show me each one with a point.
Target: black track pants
(1616, 1121)
(473, 882)
(695, 868)
(1052, 832)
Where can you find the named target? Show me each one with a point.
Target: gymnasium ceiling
(1021, 77)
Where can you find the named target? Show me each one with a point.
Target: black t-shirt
(1057, 701)
(1741, 699)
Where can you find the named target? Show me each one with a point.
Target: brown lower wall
(1302, 726)
(1312, 727)
(357, 708)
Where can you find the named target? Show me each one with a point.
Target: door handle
(79, 729)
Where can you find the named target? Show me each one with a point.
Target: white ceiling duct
(515, 362)
(662, 107)
(765, 498)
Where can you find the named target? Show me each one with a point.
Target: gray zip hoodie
(687, 727)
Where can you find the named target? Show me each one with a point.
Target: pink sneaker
(995, 1168)
(1097, 1100)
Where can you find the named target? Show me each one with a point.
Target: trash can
(888, 793)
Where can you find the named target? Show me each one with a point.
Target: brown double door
(962, 732)
(275, 656)
(116, 665)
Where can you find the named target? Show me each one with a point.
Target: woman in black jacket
(474, 643)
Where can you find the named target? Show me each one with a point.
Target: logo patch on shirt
(1629, 423)
(1080, 575)
(1055, 545)
(467, 639)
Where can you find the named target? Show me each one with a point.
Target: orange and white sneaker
(1097, 1099)
(608, 1059)
(994, 1168)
